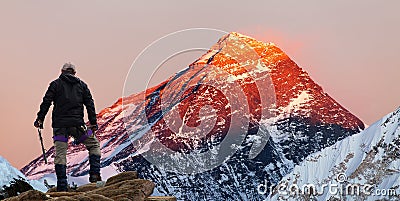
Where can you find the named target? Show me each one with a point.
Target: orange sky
(349, 48)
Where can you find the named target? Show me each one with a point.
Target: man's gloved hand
(93, 127)
(38, 123)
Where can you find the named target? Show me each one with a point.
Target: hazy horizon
(349, 48)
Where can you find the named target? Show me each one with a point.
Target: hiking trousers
(91, 143)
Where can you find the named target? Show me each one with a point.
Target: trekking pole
(41, 142)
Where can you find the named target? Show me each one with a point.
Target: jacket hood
(72, 79)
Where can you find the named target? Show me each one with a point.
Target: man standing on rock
(69, 94)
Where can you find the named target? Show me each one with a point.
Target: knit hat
(67, 66)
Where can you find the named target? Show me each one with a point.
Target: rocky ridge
(125, 186)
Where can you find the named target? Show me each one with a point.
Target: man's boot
(94, 161)
(61, 172)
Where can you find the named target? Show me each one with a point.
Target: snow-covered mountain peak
(9, 173)
(367, 159)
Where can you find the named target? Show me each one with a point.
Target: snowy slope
(238, 77)
(9, 173)
(369, 159)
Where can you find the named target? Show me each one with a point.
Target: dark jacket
(68, 94)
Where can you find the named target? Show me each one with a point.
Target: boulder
(87, 187)
(65, 198)
(54, 189)
(129, 175)
(160, 198)
(90, 197)
(29, 195)
(136, 189)
(60, 194)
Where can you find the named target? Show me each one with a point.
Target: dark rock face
(238, 178)
(16, 187)
(302, 119)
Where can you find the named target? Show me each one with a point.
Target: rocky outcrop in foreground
(124, 187)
